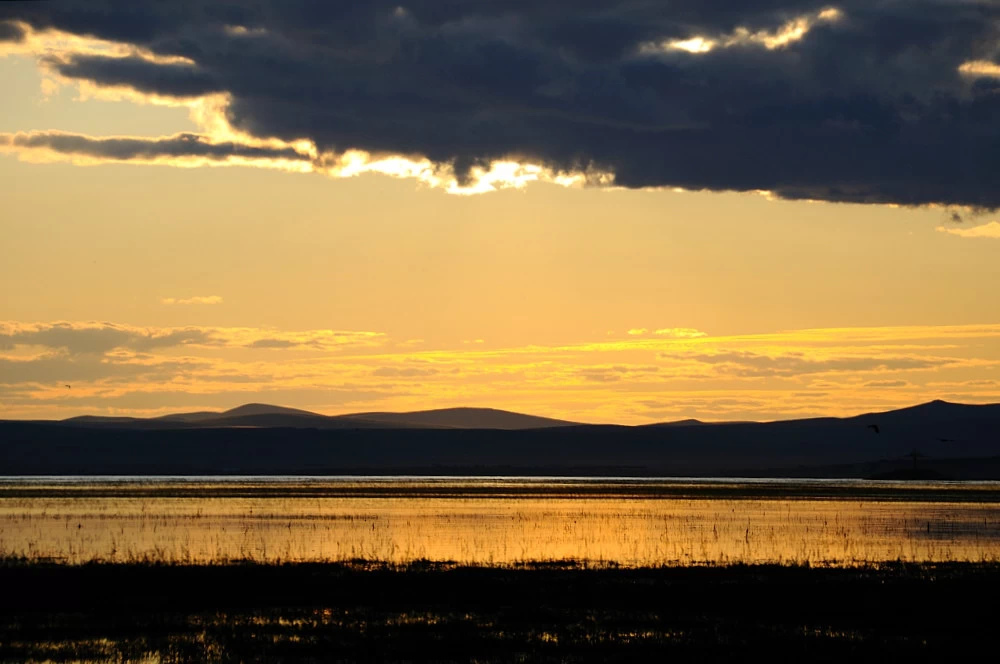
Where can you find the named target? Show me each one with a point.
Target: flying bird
(68, 387)
(874, 427)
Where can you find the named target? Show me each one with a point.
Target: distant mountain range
(936, 439)
(266, 415)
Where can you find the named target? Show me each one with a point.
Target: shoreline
(508, 487)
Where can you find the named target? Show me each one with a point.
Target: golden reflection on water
(496, 522)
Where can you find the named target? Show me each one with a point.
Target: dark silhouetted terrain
(310, 613)
(265, 415)
(462, 418)
(950, 440)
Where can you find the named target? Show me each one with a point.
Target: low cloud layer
(62, 369)
(97, 338)
(871, 102)
(80, 338)
(179, 147)
(748, 364)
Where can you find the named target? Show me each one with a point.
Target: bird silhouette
(68, 387)
(874, 427)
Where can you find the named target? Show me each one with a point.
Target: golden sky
(129, 287)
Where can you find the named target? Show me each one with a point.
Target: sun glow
(788, 33)
(980, 68)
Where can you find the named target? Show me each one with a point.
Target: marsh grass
(464, 522)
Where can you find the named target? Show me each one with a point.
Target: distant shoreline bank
(496, 486)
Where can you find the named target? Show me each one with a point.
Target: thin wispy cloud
(750, 364)
(675, 332)
(178, 150)
(990, 230)
(81, 337)
(198, 299)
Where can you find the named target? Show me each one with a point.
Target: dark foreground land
(327, 612)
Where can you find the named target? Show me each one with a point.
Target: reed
(152, 523)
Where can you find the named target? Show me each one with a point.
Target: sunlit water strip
(497, 520)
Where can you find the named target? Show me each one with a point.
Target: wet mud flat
(311, 612)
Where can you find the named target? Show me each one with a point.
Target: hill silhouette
(267, 415)
(246, 410)
(953, 440)
(677, 423)
(463, 418)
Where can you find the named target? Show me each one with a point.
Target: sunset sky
(623, 213)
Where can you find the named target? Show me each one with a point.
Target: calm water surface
(498, 521)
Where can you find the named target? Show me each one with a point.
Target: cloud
(990, 230)
(887, 383)
(403, 372)
(679, 333)
(318, 340)
(62, 370)
(179, 149)
(886, 102)
(198, 299)
(668, 332)
(11, 32)
(610, 374)
(97, 338)
(272, 343)
(980, 68)
(788, 33)
(76, 338)
(172, 79)
(750, 364)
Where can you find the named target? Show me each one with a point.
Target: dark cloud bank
(10, 32)
(869, 108)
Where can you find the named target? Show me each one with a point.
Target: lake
(497, 521)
